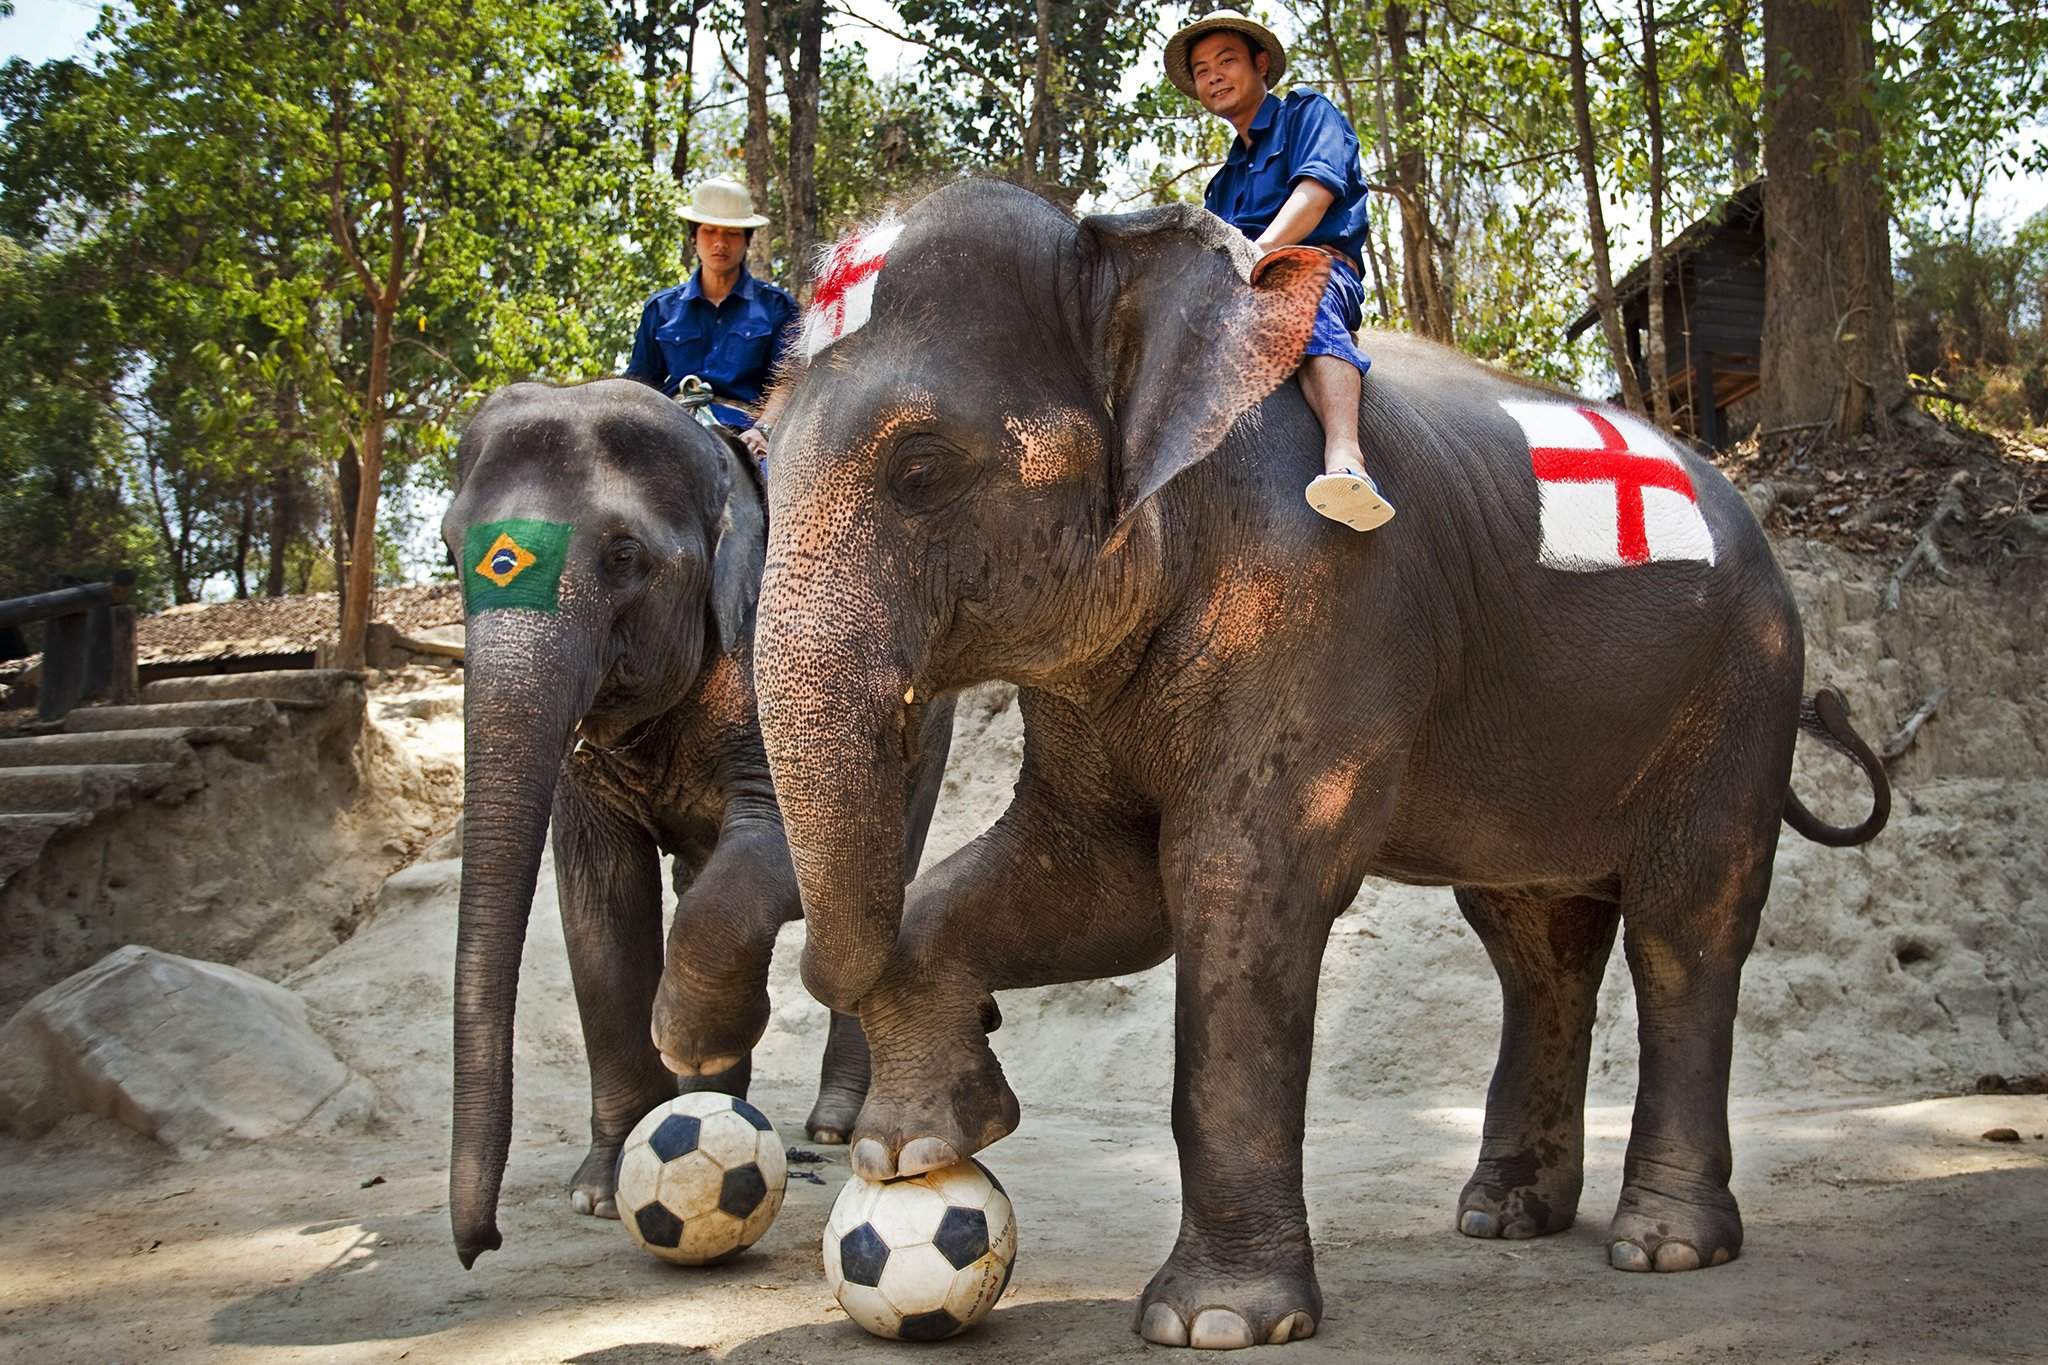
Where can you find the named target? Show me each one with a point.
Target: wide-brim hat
(723, 203)
(1221, 21)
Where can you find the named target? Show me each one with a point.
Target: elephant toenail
(871, 1160)
(925, 1154)
(828, 1137)
(581, 1201)
(607, 1207)
(1677, 1256)
(1478, 1223)
(1628, 1256)
(1296, 1326)
(1722, 1256)
(1219, 1329)
(1163, 1326)
(678, 1067)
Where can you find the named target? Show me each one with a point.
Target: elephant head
(608, 546)
(965, 485)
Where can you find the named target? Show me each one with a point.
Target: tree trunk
(284, 515)
(1596, 218)
(650, 77)
(1376, 237)
(801, 81)
(1658, 341)
(348, 487)
(1742, 126)
(1422, 290)
(1038, 131)
(759, 163)
(1333, 52)
(1829, 350)
(245, 536)
(679, 164)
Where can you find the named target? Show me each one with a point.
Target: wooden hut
(1713, 314)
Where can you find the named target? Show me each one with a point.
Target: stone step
(248, 713)
(82, 786)
(284, 687)
(112, 746)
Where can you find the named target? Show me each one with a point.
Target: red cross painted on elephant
(1629, 471)
(845, 294)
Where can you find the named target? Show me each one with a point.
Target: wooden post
(64, 662)
(1706, 418)
(124, 682)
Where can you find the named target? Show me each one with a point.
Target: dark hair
(1252, 46)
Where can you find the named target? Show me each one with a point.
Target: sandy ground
(1881, 1225)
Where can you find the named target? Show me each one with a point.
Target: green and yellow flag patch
(514, 563)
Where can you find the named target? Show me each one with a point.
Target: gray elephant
(610, 553)
(1566, 682)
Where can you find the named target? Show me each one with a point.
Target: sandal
(1350, 496)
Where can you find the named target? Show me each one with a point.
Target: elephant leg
(608, 880)
(1550, 954)
(1686, 934)
(1249, 931)
(1062, 888)
(842, 1081)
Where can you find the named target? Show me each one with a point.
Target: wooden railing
(88, 643)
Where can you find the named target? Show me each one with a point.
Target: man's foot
(1350, 496)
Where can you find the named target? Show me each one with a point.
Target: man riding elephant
(610, 556)
(1565, 683)
(1293, 176)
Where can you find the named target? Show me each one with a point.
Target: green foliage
(1973, 310)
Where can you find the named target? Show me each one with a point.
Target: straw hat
(723, 203)
(1221, 21)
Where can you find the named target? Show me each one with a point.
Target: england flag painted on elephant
(1614, 494)
(845, 293)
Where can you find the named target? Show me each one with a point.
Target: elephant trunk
(518, 715)
(839, 723)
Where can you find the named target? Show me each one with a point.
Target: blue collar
(744, 289)
(1261, 122)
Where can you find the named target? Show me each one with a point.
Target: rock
(2000, 1135)
(186, 1052)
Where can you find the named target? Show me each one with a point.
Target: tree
(1829, 353)
(1596, 218)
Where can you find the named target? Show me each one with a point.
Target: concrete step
(248, 713)
(284, 687)
(22, 837)
(112, 746)
(84, 786)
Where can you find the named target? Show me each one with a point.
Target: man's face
(1229, 81)
(721, 249)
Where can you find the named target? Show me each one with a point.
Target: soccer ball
(924, 1257)
(700, 1178)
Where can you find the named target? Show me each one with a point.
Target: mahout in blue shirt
(1301, 137)
(733, 345)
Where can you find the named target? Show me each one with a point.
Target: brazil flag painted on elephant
(513, 563)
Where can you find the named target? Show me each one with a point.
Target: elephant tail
(1825, 716)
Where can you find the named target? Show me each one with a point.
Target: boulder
(186, 1052)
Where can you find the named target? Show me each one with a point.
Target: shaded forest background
(258, 259)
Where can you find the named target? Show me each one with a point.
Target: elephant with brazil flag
(610, 553)
(1565, 682)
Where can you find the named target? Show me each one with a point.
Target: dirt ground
(1882, 1225)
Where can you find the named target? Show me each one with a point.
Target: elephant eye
(928, 473)
(623, 554)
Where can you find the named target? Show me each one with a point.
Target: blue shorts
(1338, 316)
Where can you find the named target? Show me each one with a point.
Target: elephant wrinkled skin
(1084, 476)
(610, 697)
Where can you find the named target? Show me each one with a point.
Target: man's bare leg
(1331, 386)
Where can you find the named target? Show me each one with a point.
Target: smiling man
(722, 324)
(1293, 178)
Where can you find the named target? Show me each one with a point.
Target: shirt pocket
(744, 352)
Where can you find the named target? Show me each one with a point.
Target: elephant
(610, 550)
(1086, 479)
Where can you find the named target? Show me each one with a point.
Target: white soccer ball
(923, 1257)
(700, 1178)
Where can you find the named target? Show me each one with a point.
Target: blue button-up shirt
(1303, 137)
(732, 345)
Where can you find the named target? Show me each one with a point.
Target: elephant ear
(740, 555)
(1194, 328)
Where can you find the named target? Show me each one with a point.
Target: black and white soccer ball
(701, 1178)
(924, 1257)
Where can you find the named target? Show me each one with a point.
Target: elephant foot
(833, 1116)
(932, 1111)
(1212, 1308)
(731, 1077)
(1656, 1231)
(592, 1188)
(1515, 1197)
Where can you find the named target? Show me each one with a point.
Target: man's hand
(755, 442)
